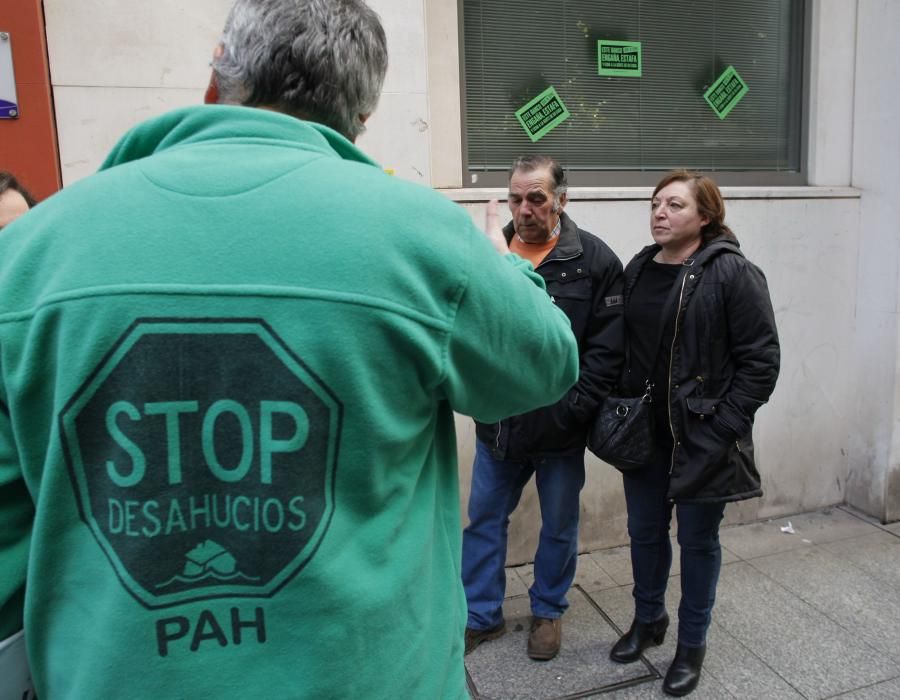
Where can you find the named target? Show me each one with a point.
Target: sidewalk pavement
(812, 613)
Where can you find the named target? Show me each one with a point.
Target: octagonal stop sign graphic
(202, 454)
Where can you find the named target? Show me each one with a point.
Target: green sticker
(619, 58)
(542, 114)
(726, 92)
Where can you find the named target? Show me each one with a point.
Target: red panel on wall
(28, 146)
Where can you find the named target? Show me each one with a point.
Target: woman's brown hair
(709, 202)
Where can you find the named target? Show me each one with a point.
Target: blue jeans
(496, 488)
(649, 515)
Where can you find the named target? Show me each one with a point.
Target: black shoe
(475, 637)
(641, 635)
(684, 673)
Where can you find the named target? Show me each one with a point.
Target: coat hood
(200, 123)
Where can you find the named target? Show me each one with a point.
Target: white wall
(113, 65)
(831, 254)
(875, 445)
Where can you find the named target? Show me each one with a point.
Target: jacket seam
(259, 185)
(218, 291)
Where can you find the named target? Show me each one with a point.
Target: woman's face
(675, 222)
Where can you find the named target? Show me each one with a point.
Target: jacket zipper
(671, 356)
(548, 259)
(499, 428)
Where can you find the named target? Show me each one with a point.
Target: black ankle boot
(684, 673)
(639, 637)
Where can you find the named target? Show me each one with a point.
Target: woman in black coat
(701, 330)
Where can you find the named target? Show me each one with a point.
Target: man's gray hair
(322, 60)
(538, 161)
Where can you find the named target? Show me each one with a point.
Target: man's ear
(363, 118)
(211, 96)
(562, 201)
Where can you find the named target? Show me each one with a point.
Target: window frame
(642, 178)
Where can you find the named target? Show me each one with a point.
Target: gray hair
(538, 161)
(322, 60)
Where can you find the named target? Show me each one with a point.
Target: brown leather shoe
(545, 638)
(475, 637)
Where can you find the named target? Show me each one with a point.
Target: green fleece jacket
(229, 364)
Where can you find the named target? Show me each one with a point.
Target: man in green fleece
(229, 364)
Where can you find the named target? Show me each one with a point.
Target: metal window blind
(514, 49)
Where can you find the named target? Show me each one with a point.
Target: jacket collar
(221, 123)
(718, 245)
(568, 245)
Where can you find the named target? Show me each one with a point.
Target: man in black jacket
(584, 277)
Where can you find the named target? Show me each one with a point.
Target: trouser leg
(496, 489)
(559, 483)
(701, 560)
(649, 514)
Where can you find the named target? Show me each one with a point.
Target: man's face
(12, 206)
(535, 209)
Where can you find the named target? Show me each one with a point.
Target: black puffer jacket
(723, 366)
(584, 278)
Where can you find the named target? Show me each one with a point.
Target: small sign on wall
(619, 58)
(726, 92)
(9, 103)
(542, 114)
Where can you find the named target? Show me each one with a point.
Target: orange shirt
(533, 252)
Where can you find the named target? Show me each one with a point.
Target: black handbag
(623, 432)
(624, 429)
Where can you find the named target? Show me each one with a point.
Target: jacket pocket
(703, 427)
(701, 408)
(572, 284)
(571, 291)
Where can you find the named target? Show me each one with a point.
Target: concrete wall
(830, 252)
(874, 483)
(114, 65)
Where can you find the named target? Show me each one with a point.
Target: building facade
(829, 240)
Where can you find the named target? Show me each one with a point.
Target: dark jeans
(496, 488)
(649, 515)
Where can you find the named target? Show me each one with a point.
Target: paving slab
(844, 590)
(514, 583)
(729, 670)
(526, 573)
(707, 689)
(502, 669)
(877, 554)
(813, 653)
(590, 576)
(739, 671)
(618, 604)
(889, 690)
(616, 562)
(798, 619)
(765, 538)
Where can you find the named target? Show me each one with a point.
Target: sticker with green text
(619, 58)
(542, 114)
(724, 94)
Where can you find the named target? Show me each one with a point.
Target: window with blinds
(624, 129)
